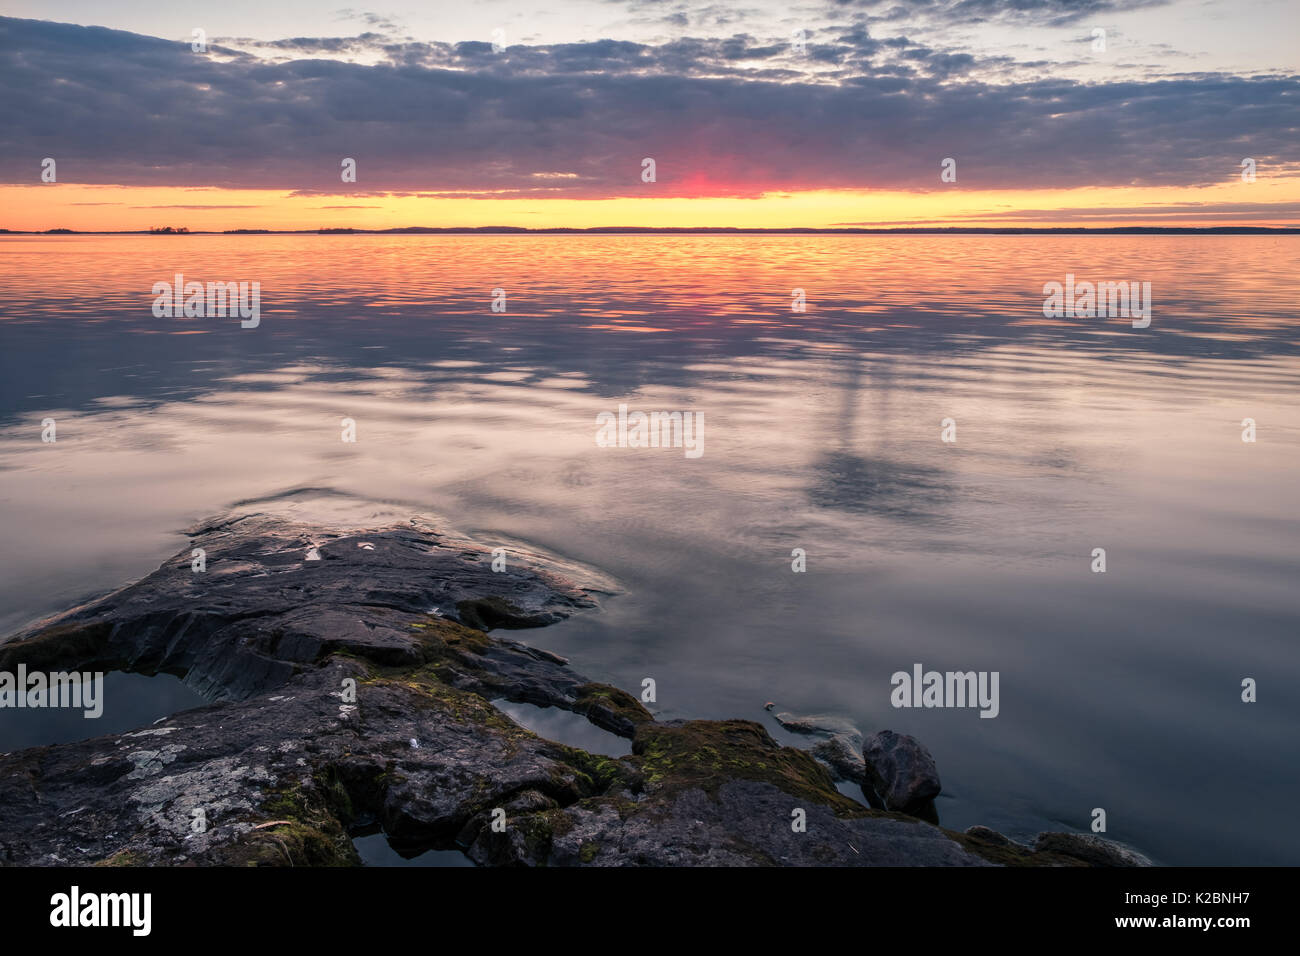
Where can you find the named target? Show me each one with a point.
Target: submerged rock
(840, 750)
(842, 755)
(351, 686)
(895, 771)
(817, 724)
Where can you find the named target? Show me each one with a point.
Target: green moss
(603, 701)
(708, 753)
(123, 858)
(588, 851)
(323, 794)
(441, 630)
(335, 794)
(539, 831)
(557, 821)
(1013, 855)
(293, 844)
(599, 774)
(285, 803)
(307, 827)
(387, 778)
(439, 642)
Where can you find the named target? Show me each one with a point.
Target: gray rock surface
(816, 724)
(839, 748)
(1090, 848)
(901, 772)
(323, 670)
(842, 755)
(990, 836)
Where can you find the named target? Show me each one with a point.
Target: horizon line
(680, 230)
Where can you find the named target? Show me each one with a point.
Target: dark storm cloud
(113, 107)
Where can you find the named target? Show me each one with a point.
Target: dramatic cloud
(1043, 12)
(1203, 213)
(720, 117)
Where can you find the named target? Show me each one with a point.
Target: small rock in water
(415, 744)
(313, 555)
(902, 772)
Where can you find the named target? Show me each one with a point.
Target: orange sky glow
(114, 208)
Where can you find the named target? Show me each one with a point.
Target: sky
(756, 114)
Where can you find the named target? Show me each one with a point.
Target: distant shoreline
(701, 230)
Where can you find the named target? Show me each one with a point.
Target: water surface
(1118, 690)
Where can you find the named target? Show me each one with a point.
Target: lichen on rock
(323, 660)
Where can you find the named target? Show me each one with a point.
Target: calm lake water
(1119, 690)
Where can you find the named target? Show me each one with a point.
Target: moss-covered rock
(611, 709)
(709, 753)
(346, 698)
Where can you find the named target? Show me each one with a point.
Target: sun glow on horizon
(79, 207)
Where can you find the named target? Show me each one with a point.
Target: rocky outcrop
(351, 677)
(895, 770)
(1056, 849)
(1089, 848)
